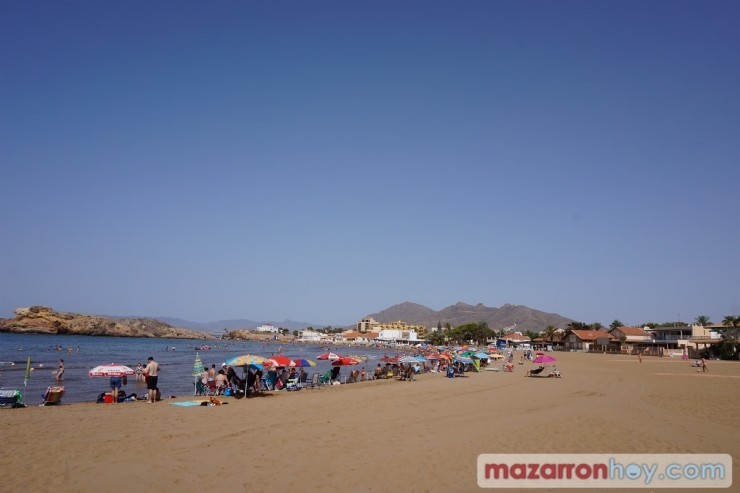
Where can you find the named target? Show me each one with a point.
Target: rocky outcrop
(248, 335)
(44, 320)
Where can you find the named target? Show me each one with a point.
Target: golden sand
(376, 436)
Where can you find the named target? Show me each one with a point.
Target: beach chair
(292, 384)
(302, 380)
(536, 372)
(11, 398)
(325, 379)
(314, 383)
(53, 396)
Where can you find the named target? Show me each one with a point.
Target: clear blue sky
(319, 161)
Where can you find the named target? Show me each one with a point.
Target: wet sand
(376, 436)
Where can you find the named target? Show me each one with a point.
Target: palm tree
(615, 324)
(732, 322)
(549, 333)
(703, 320)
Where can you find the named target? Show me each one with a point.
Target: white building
(397, 335)
(309, 335)
(267, 328)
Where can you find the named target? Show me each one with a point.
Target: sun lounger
(536, 372)
(53, 396)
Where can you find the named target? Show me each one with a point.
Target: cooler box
(108, 399)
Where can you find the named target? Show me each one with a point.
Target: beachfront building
(267, 328)
(369, 324)
(689, 337)
(516, 339)
(309, 335)
(398, 336)
(630, 340)
(354, 337)
(587, 340)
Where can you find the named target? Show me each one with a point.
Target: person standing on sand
(639, 356)
(60, 370)
(152, 369)
(704, 368)
(115, 386)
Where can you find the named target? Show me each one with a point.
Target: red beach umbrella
(278, 361)
(111, 370)
(345, 362)
(328, 356)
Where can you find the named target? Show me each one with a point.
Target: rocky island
(44, 320)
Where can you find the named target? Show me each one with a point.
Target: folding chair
(53, 396)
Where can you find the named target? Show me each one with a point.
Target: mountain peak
(460, 313)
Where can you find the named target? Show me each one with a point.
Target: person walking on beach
(704, 368)
(152, 370)
(60, 370)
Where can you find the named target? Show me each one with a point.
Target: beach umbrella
(302, 362)
(328, 356)
(496, 356)
(463, 359)
(544, 358)
(197, 372)
(345, 362)
(197, 366)
(245, 360)
(27, 376)
(408, 359)
(393, 360)
(277, 361)
(111, 370)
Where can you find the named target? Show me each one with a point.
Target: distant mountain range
(507, 315)
(523, 317)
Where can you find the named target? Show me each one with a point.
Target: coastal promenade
(385, 435)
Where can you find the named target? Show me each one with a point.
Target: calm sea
(176, 357)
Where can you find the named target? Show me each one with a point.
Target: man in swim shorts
(152, 369)
(115, 386)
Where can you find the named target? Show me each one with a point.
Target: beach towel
(187, 403)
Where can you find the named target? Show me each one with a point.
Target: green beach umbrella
(197, 366)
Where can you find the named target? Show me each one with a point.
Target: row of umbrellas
(117, 370)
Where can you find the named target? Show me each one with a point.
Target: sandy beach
(421, 436)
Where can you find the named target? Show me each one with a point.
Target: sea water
(175, 356)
